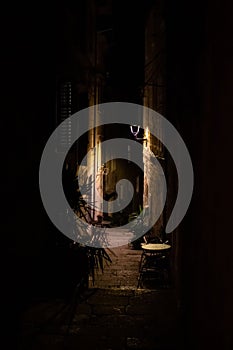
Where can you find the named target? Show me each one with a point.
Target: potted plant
(96, 257)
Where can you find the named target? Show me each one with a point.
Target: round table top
(155, 246)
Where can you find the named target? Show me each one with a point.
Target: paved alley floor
(112, 314)
(105, 319)
(123, 272)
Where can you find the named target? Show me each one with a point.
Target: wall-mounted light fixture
(135, 130)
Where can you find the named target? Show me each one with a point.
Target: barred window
(64, 111)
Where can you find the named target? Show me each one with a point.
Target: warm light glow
(147, 137)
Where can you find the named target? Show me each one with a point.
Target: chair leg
(140, 270)
(141, 261)
(139, 280)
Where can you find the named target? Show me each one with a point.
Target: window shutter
(64, 111)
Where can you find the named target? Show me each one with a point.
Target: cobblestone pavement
(122, 272)
(113, 314)
(106, 319)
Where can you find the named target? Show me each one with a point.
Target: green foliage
(96, 256)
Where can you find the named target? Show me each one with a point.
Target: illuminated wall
(154, 98)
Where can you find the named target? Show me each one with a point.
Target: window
(64, 111)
